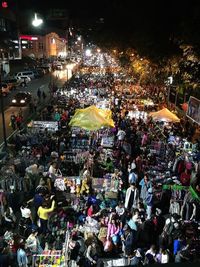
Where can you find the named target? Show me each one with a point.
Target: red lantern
(185, 107)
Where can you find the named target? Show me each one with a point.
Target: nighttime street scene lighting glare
(99, 133)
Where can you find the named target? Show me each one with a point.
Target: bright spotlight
(88, 53)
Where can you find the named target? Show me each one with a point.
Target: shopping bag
(108, 246)
(38, 223)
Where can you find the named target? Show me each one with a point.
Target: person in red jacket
(19, 120)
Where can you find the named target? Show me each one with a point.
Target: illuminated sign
(28, 37)
(4, 4)
(193, 111)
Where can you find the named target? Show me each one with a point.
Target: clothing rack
(194, 195)
(10, 181)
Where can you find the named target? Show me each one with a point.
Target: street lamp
(37, 21)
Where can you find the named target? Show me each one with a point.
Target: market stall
(49, 258)
(51, 126)
(92, 118)
(164, 115)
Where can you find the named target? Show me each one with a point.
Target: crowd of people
(137, 200)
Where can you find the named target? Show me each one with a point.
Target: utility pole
(2, 110)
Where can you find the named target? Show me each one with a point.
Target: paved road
(59, 76)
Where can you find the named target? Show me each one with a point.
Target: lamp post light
(37, 21)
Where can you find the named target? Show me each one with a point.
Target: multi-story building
(47, 46)
(9, 45)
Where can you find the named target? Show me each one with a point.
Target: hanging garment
(60, 184)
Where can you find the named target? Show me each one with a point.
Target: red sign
(4, 4)
(28, 37)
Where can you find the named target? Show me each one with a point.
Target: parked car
(6, 88)
(29, 74)
(23, 80)
(21, 99)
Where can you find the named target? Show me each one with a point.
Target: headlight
(22, 101)
(14, 101)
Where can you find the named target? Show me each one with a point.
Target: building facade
(48, 46)
(9, 41)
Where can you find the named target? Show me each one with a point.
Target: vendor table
(50, 258)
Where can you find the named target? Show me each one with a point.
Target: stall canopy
(92, 118)
(164, 115)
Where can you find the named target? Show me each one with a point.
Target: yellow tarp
(92, 118)
(164, 115)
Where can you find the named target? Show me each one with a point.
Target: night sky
(152, 26)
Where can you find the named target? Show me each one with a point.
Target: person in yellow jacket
(43, 214)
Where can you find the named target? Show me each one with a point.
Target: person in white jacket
(132, 197)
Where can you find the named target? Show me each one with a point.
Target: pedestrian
(43, 214)
(132, 197)
(33, 243)
(92, 254)
(13, 121)
(19, 120)
(43, 96)
(22, 259)
(24, 83)
(39, 93)
(20, 112)
(35, 105)
(149, 203)
(31, 107)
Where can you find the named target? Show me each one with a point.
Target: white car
(23, 80)
(25, 73)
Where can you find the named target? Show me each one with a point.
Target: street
(60, 76)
